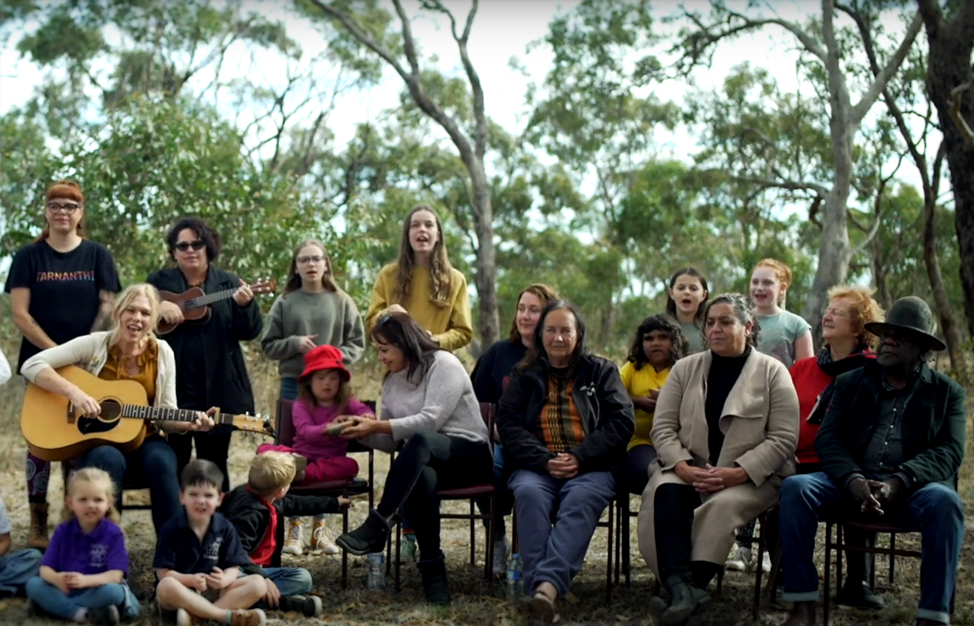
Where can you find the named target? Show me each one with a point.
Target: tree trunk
(949, 66)
(486, 258)
(947, 326)
(879, 274)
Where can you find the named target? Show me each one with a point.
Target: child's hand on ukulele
(218, 579)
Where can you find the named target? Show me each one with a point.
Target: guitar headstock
(259, 423)
(267, 285)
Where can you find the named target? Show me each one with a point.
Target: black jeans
(210, 446)
(673, 524)
(430, 462)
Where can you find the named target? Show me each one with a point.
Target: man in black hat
(890, 446)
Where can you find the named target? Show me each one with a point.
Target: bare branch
(792, 185)
(957, 94)
(889, 70)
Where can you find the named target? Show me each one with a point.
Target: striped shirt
(560, 423)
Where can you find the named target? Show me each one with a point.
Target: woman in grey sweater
(428, 403)
(311, 312)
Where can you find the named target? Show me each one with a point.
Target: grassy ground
(474, 602)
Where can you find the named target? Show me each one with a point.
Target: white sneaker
(766, 563)
(740, 559)
(294, 544)
(501, 552)
(321, 543)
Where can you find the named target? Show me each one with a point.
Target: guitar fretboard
(210, 298)
(155, 414)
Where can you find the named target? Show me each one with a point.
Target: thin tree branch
(882, 79)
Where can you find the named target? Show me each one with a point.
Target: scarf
(860, 355)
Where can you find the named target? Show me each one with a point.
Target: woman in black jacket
(210, 369)
(564, 419)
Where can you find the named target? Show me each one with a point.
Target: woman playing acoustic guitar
(130, 351)
(208, 354)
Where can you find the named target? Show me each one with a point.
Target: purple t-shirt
(103, 550)
(309, 429)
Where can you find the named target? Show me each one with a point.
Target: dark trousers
(673, 519)
(210, 446)
(430, 462)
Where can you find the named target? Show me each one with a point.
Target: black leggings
(430, 462)
(210, 446)
(673, 506)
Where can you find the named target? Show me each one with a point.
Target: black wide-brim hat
(911, 314)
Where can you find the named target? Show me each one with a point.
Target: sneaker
(185, 618)
(766, 563)
(501, 552)
(309, 606)
(409, 551)
(859, 595)
(248, 617)
(321, 543)
(105, 616)
(294, 544)
(740, 559)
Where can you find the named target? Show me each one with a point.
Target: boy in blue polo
(198, 552)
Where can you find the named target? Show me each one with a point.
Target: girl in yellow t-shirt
(658, 343)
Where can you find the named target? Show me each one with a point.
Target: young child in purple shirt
(82, 575)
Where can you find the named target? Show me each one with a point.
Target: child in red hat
(323, 396)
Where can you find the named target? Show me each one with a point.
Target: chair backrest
(285, 427)
(487, 413)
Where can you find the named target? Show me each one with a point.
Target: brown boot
(37, 535)
(803, 614)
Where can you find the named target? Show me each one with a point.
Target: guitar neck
(210, 298)
(154, 414)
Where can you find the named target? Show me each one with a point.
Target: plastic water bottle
(515, 584)
(377, 570)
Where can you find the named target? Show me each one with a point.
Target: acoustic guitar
(195, 304)
(55, 431)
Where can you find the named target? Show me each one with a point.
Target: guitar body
(185, 304)
(55, 433)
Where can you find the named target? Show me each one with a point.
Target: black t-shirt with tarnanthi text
(64, 288)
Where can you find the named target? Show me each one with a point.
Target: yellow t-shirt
(449, 324)
(639, 383)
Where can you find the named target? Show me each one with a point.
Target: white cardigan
(90, 352)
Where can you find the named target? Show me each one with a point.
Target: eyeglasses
(303, 260)
(183, 246)
(54, 207)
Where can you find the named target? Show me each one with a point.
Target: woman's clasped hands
(710, 479)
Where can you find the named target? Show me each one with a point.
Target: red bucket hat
(324, 358)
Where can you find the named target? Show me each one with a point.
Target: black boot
(683, 601)
(434, 580)
(859, 594)
(310, 606)
(370, 537)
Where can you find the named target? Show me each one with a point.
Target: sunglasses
(183, 246)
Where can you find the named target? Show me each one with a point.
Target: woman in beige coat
(726, 428)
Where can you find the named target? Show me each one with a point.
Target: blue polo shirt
(179, 549)
(101, 550)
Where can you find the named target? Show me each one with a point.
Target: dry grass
(474, 602)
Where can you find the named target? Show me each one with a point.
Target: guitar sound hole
(111, 411)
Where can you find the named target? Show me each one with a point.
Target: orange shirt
(561, 425)
(148, 363)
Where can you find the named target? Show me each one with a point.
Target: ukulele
(195, 304)
(55, 431)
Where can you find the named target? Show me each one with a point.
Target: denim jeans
(935, 511)
(17, 567)
(289, 388)
(554, 553)
(57, 603)
(154, 462)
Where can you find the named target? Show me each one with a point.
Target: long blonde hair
(440, 269)
(92, 476)
(124, 299)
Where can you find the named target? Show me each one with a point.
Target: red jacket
(810, 381)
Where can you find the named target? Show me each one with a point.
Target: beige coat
(760, 426)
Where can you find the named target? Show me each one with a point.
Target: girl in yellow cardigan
(423, 284)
